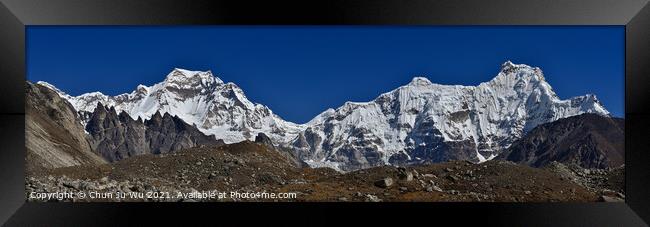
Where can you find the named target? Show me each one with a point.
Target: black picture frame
(633, 14)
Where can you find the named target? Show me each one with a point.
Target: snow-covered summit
(199, 98)
(424, 121)
(420, 81)
(187, 79)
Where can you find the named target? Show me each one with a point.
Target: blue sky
(300, 71)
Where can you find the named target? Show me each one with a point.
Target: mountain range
(199, 98)
(420, 122)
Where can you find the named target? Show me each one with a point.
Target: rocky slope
(609, 183)
(262, 167)
(118, 136)
(240, 166)
(588, 140)
(54, 137)
(254, 167)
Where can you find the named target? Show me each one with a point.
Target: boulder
(372, 198)
(404, 174)
(407, 176)
(384, 183)
(452, 178)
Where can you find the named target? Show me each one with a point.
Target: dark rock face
(287, 152)
(169, 133)
(118, 136)
(588, 140)
(435, 148)
(264, 139)
(115, 136)
(54, 136)
(303, 144)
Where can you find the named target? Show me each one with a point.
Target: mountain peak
(185, 72)
(420, 81)
(141, 87)
(508, 66)
(182, 76)
(510, 71)
(590, 104)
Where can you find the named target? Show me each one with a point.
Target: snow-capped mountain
(427, 122)
(418, 122)
(198, 98)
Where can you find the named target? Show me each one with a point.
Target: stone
(528, 192)
(71, 184)
(85, 185)
(407, 176)
(384, 183)
(372, 198)
(436, 188)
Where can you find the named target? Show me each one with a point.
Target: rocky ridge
(118, 136)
